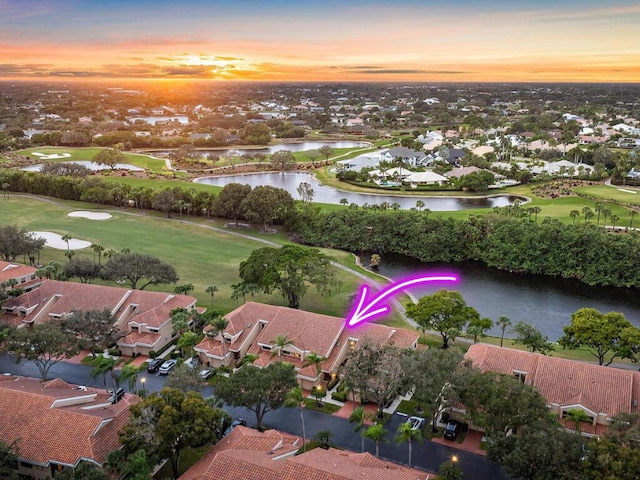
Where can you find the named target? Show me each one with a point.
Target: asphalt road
(427, 456)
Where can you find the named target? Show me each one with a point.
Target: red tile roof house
(144, 317)
(601, 392)
(58, 425)
(253, 327)
(24, 276)
(270, 455)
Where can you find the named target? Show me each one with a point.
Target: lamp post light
(143, 380)
(454, 459)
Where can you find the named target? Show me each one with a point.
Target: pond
(545, 302)
(325, 194)
(90, 165)
(268, 150)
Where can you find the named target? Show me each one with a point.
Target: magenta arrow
(365, 308)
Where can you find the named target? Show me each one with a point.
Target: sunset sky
(347, 40)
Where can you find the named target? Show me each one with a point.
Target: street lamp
(143, 380)
(454, 459)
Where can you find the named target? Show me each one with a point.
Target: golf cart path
(374, 283)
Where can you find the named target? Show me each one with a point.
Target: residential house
(144, 317)
(601, 392)
(247, 453)
(427, 177)
(408, 156)
(57, 425)
(254, 327)
(17, 275)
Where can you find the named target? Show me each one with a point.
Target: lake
(269, 149)
(545, 302)
(325, 194)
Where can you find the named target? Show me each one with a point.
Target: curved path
(374, 283)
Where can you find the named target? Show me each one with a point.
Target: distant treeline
(506, 239)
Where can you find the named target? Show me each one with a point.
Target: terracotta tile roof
(37, 414)
(323, 335)
(564, 382)
(319, 464)
(56, 298)
(9, 270)
(230, 460)
(308, 331)
(140, 338)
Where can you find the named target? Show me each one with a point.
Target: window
(266, 347)
(154, 330)
(520, 375)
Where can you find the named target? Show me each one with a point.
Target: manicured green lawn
(618, 193)
(87, 153)
(200, 255)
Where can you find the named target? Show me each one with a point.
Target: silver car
(167, 366)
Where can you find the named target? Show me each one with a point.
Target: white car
(167, 366)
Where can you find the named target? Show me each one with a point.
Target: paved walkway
(471, 442)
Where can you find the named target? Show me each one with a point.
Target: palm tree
(632, 213)
(295, 398)
(102, 366)
(598, 208)
(536, 211)
(65, 238)
(503, 322)
(279, 343)
(97, 249)
(180, 322)
(130, 372)
(219, 324)
(574, 214)
(314, 359)
(375, 432)
(587, 213)
(419, 205)
(183, 289)
(358, 416)
(407, 434)
(211, 290)
(344, 201)
(614, 219)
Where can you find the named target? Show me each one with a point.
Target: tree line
(511, 242)
(510, 238)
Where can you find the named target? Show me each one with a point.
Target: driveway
(427, 456)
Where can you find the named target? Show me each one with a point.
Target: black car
(451, 430)
(154, 365)
(233, 425)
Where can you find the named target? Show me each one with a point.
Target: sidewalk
(470, 444)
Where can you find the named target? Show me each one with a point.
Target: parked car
(451, 430)
(416, 423)
(233, 425)
(206, 373)
(167, 366)
(154, 365)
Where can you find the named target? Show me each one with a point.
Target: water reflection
(545, 302)
(325, 194)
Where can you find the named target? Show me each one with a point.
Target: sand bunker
(50, 156)
(90, 215)
(54, 240)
